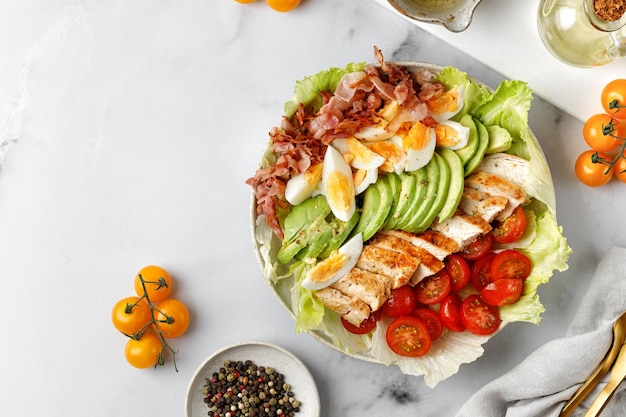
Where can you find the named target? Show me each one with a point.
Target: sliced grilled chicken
(398, 266)
(508, 167)
(434, 242)
(483, 205)
(429, 264)
(351, 309)
(462, 228)
(373, 289)
(494, 185)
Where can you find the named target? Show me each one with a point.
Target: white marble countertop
(127, 130)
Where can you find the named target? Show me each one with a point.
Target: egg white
(336, 266)
(358, 155)
(304, 185)
(338, 185)
(458, 135)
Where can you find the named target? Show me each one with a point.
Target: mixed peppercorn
(241, 388)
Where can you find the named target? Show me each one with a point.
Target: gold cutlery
(618, 372)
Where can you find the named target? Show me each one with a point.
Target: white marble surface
(128, 130)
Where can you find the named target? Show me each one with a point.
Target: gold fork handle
(618, 373)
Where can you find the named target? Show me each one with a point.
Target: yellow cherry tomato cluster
(150, 318)
(605, 133)
(278, 5)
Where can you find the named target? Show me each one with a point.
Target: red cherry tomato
(408, 336)
(366, 326)
(433, 289)
(512, 228)
(401, 302)
(478, 248)
(479, 317)
(502, 292)
(450, 313)
(480, 274)
(459, 271)
(432, 321)
(510, 263)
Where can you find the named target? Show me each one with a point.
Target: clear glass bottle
(574, 33)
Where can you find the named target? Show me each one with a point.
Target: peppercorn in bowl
(252, 378)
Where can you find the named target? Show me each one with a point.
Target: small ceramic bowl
(455, 15)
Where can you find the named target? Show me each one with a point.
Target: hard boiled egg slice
(336, 266)
(358, 155)
(338, 185)
(303, 185)
(395, 158)
(373, 133)
(419, 144)
(363, 178)
(451, 134)
(448, 104)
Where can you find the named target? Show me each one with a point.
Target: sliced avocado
(467, 152)
(395, 185)
(500, 139)
(376, 205)
(416, 197)
(457, 183)
(340, 232)
(445, 174)
(417, 218)
(407, 192)
(483, 144)
(299, 224)
(319, 237)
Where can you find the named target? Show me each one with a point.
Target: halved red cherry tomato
(512, 228)
(510, 263)
(366, 326)
(450, 313)
(433, 289)
(478, 248)
(479, 317)
(432, 321)
(401, 302)
(480, 274)
(502, 292)
(408, 336)
(459, 271)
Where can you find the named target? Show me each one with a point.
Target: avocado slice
(340, 231)
(439, 199)
(416, 220)
(500, 139)
(415, 198)
(376, 205)
(407, 192)
(395, 185)
(300, 224)
(457, 183)
(320, 235)
(483, 144)
(467, 152)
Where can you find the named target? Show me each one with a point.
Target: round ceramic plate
(262, 354)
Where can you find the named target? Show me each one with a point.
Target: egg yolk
(327, 268)
(390, 152)
(340, 191)
(446, 135)
(417, 137)
(313, 175)
(446, 102)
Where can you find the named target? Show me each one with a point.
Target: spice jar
(583, 33)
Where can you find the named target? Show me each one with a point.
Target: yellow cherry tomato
(614, 98)
(601, 132)
(245, 1)
(619, 169)
(130, 315)
(172, 318)
(283, 5)
(145, 352)
(590, 171)
(157, 281)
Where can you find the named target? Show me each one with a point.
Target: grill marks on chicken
(392, 258)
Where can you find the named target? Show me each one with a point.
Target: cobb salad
(405, 212)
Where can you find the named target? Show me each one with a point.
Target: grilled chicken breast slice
(483, 205)
(434, 242)
(371, 288)
(398, 266)
(511, 168)
(494, 185)
(462, 228)
(429, 263)
(351, 309)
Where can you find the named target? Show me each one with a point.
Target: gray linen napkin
(540, 385)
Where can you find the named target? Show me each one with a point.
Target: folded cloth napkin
(541, 384)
